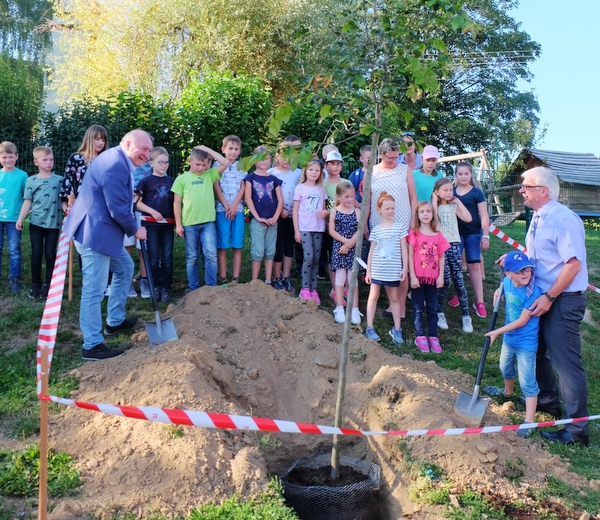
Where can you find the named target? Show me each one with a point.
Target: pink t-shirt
(311, 199)
(428, 250)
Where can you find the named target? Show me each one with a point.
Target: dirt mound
(249, 350)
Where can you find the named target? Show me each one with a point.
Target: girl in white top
(309, 216)
(387, 265)
(448, 208)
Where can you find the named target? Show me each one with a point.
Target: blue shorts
(230, 233)
(395, 283)
(513, 361)
(471, 244)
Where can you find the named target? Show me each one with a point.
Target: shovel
(469, 407)
(161, 331)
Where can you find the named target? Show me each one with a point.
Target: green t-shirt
(12, 186)
(197, 196)
(46, 208)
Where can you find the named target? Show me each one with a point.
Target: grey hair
(544, 176)
(388, 145)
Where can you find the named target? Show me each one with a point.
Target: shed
(578, 175)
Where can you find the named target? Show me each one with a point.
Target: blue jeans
(525, 368)
(201, 238)
(160, 252)
(13, 237)
(94, 269)
(425, 296)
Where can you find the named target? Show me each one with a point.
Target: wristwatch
(550, 297)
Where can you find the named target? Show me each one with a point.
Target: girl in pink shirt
(426, 248)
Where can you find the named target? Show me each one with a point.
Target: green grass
(19, 321)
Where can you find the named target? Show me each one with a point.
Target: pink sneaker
(454, 301)
(315, 296)
(434, 343)
(480, 309)
(422, 343)
(305, 294)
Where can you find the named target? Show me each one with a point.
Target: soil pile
(250, 350)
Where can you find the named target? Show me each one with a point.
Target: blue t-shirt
(525, 338)
(263, 193)
(470, 201)
(356, 178)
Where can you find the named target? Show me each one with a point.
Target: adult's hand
(500, 261)
(141, 233)
(540, 306)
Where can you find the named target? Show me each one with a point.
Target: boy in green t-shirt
(12, 186)
(42, 198)
(194, 209)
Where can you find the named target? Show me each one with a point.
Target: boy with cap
(520, 342)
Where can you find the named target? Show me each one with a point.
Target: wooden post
(43, 490)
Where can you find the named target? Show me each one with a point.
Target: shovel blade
(469, 410)
(161, 332)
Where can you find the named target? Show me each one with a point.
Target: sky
(567, 75)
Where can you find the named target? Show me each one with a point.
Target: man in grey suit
(100, 218)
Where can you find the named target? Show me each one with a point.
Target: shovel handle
(149, 275)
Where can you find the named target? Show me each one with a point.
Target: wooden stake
(43, 491)
(70, 291)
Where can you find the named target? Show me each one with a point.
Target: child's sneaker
(442, 323)
(145, 288)
(132, 292)
(434, 344)
(467, 324)
(454, 301)
(422, 343)
(315, 296)
(165, 295)
(494, 391)
(356, 316)
(287, 285)
(34, 292)
(15, 285)
(278, 284)
(371, 334)
(222, 282)
(44, 291)
(339, 315)
(480, 309)
(396, 335)
(305, 294)
(332, 295)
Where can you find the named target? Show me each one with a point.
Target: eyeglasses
(525, 187)
(524, 270)
(162, 163)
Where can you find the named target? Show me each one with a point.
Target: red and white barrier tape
(247, 423)
(51, 315)
(163, 221)
(495, 231)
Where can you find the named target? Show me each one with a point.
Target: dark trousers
(453, 272)
(560, 349)
(160, 253)
(43, 244)
(424, 299)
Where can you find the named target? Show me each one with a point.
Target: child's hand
(492, 335)
(284, 213)
(179, 230)
(368, 278)
(156, 215)
(298, 237)
(230, 213)
(414, 282)
(496, 296)
(403, 275)
(440, 281)
(322, 213)
(270, 221)
(19, 225)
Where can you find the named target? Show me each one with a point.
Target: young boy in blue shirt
(12, 186)
(520, 342)
(358, 175)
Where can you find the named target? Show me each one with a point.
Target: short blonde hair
(8, 147)
(159, 150)
(232, 139)
(42, 151)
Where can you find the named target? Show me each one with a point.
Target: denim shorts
(395, 283)
(230, 233)
(471, 244)
(513, 360)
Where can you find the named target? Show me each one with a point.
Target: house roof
(579, 168)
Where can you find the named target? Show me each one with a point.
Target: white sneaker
(144, 288)
(132, 292)
(442, 323)
(339, 316)
(467, 324)
(356, 315)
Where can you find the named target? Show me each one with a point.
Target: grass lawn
(20, 316)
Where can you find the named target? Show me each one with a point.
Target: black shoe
(34, 292)
(165, 295)
(44, 291)
(128, 323)
(15, 285)
(566, 437)
(99, 352)
(550, 410)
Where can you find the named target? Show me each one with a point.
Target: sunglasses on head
(408, 134)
